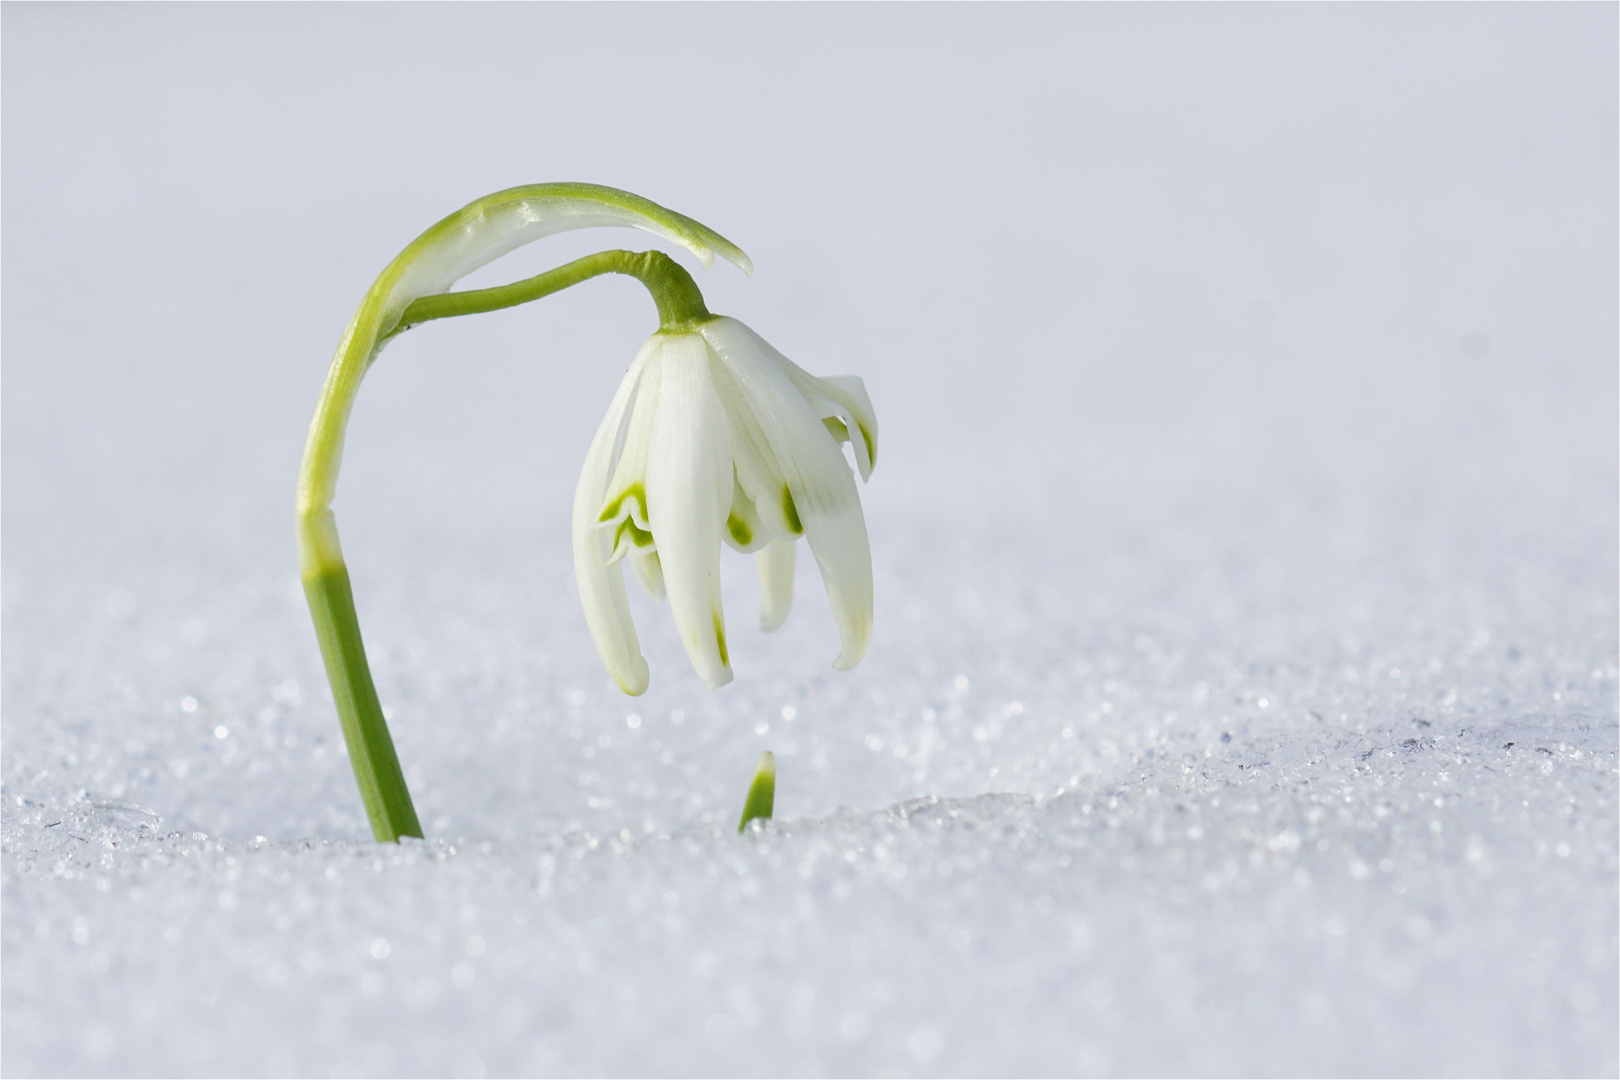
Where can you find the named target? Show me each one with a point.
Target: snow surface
(1243, 692)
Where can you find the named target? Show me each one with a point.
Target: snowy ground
(1243, 693)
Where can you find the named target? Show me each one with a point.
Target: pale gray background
(1244, 522)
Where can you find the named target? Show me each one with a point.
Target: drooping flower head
(715, 436)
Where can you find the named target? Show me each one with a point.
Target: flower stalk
(680, 304)
(412, 290)
(365, 732)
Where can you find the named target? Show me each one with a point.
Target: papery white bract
(714, 435)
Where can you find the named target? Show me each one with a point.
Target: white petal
(689, 490)
(623, 517)
(601, 587)
(820, 488)
(744, 530)
(775, 562)
(844, 397)
(649, 572)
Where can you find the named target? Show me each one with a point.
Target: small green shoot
(761, 793)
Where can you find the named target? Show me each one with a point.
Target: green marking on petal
(791, 512)
(634, 491)
(640, 537)
(871, 447)
(720, 639)
(739, 530)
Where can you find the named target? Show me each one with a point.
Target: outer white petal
(601, 587)
(844, 397)
(819, 482)
(775, 561)
(689, 491)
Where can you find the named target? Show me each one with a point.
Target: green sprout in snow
(713, 437)
(761, 793)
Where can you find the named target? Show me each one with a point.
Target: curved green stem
(680, 304)
(412, 290)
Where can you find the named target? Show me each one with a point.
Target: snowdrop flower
(715, 436)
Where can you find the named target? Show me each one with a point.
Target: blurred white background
(1191, 252)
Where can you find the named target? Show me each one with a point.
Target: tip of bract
(727, 251)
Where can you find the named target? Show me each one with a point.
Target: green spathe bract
(412, 290)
